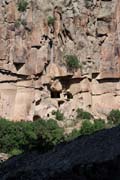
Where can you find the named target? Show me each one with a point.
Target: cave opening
(50, 43)
(45, 37)
(55, 94)
(36, 46)
(36, 117)
(94, 75)
(38, 102)
(48, 115)
(18, 66)
(60, 103)
(69, 95)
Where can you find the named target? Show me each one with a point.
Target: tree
(81, 114)
(114, 117)
(87, 127)
(18, 137)
(58, 115)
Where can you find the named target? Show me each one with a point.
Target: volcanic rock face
(34, 79)
(95, 157)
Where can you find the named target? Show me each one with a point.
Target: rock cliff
(34, 78)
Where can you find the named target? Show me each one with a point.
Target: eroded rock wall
(34, 79)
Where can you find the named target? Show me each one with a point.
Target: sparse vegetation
(51, 20)
(58, 115)
(87, 127)
(81, 114)
(48, 134)
(114, 117)
(74, 134)
(22, 5)
(72, 62)
(88, 3)
(20, 22)
(99, 124)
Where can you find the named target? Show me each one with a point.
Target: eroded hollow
(55, 94)
(36, 117)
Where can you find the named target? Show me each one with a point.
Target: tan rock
(34, 78)
(11, 9)
(56, 86)
(54, 70)
(3, 49)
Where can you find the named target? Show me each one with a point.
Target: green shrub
(87, 127)
(114, 117)
(72, 62)
(17, 137)
(99, 124)
(48, 134)
(58, 115)
(74, 134)
(81, 114)
(51, 20)
(88, 3)
(15, 152)
(42, 135)
(22, 5)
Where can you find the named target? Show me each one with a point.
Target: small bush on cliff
(99, 124)
(114, 117)
(51, 20)
(22, 5)
(89, 127)
(72, 62)
(81, 114)
(88, 3)
(58, 115)
(86, 128)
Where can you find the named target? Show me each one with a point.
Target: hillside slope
(94, 157)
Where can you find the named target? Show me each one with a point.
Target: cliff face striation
(34, 42)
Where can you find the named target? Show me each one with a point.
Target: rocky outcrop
(34, 79)
(94, 157)
(3, 157)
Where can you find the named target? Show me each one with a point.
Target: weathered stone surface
(3, 157)
(34, 78)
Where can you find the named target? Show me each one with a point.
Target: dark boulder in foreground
(94, 157)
